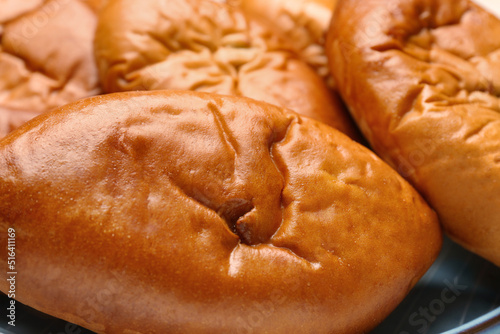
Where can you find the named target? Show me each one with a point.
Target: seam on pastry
(235, 265)
(314, 265)
(28, 12)
(273, 143)
(59, 87)
(224, 129)
(59, 84)
(162, 43)
(238, 210)
(439, 95)
(401, 48)
(477, 131)
(202, 204)
(256, 42)
(29, 67)
(275, 139)
(233, 210)
(425, 24)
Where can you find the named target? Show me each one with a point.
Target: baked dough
(46, 57)
(422, 80)
(304, 21)
(203, 45)
(183, 212)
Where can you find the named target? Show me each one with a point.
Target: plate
(460, 293)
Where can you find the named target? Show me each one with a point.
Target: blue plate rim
(488, 321)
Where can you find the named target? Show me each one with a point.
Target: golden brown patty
(199, 213)
(422, 79)
(206, 46)
(46, 58)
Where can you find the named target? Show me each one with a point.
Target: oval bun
(202, 45)
(421, 78)
(184, 212)
(46, 58)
